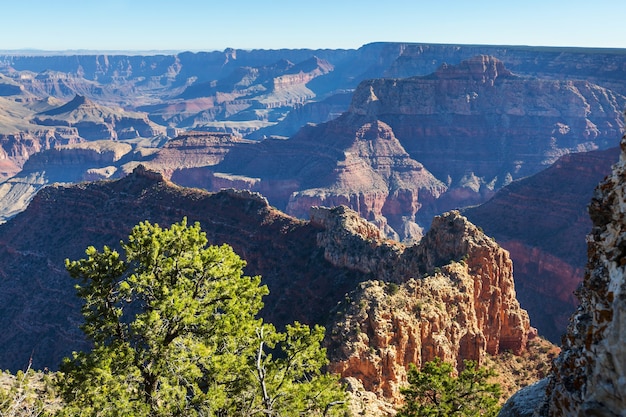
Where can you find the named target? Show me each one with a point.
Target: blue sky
(257, 24)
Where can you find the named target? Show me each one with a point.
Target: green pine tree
(435, 392)
(174, 332)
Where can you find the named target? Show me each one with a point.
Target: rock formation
(487, 117)
(455, 300)
(157, 83)
(467, 308)
(587, 378)
(542, 221)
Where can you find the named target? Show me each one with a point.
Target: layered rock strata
(452, 296)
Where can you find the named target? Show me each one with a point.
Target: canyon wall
(542, 220)
(587, 378)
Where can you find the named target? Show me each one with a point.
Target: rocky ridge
(309, 267)
(455, 299)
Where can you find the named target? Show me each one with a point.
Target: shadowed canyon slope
(542, 221)
(587, 378)
(309, 267)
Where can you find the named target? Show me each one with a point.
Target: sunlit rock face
(452, 296)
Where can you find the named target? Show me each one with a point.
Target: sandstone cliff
(587, 378)
(455, 300)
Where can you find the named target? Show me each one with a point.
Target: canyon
(454, 292)
(387, 143)
(587, 377)
(407, 149)
(404, 150)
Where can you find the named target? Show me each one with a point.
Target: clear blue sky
(270, 24)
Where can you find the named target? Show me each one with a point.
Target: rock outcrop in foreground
(451, 296)
(588, 377)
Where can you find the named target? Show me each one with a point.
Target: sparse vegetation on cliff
(28, 394)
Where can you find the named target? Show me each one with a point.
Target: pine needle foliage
(175, 332)
(434, 391)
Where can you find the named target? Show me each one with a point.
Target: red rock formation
(376, 178)
(442, 308)
(308, 267)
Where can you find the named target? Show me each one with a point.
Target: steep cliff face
(588, 376)
(83, 161)
(455, 300)
(17, 147)
(542, 221)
